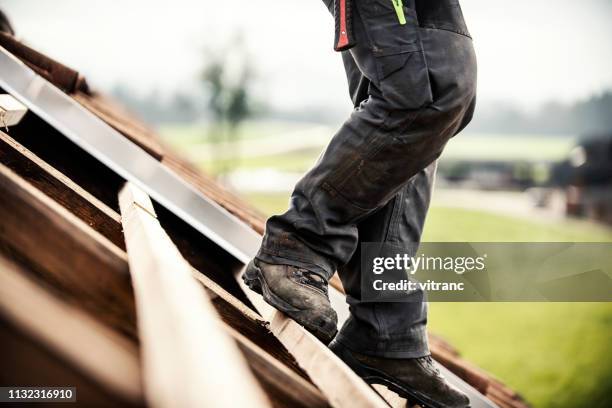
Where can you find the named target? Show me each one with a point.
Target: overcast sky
(529, 51)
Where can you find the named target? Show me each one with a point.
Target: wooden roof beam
(61, 188)
(341, 386)
(71, 333)
(95, 275)
(65, 252)
(188, 360)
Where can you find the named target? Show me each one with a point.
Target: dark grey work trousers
(413, 87)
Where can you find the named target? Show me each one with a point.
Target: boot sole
(322, 329)
(406, 393)
(373, 376)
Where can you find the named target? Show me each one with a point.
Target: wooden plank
(69, 159)
(202, 253)
(61, 188)
(102, 218)
(289, 389)
(248, 323)
(65, 252)
(187, 360)
(70, 333)
(28, 362)
(11, 110)
(277, 371)
(102, 287)
(280, 376)
(80, 202)
(341, 386)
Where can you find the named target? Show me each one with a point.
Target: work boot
(298, 292)
(415, 379)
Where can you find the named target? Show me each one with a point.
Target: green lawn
(508, 147)
(555, 354)
(299, 156)
(199, 133)
(296, 161)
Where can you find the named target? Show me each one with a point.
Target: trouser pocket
(396, 48)
(392, 28)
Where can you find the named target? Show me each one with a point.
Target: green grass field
(299, 156)
(508, 147)
(555, 354)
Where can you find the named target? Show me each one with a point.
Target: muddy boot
(416, 379)
(298, 292)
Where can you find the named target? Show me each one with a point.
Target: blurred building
(586, 177)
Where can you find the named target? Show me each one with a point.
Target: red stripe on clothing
(343, 37)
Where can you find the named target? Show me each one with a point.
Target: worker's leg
(389, 329)
(421, 93)
(386, 329)
(373, 183)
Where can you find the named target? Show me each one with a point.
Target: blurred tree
(227, 76)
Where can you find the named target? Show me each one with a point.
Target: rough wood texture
(288, 384)
(65, 252)
(104, 290)
(107, 221)
(62, 189)
(394, 400)
(70, 333)
(69, 159)
(28, 362)
(341, 386)
(202, 253)
(247, 323)
(291, 390)
(188, 360)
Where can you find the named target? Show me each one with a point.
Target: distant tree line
(593, 115)
(157, 108)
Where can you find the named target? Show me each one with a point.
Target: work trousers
(413, 87)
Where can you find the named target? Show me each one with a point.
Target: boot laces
(310, 278)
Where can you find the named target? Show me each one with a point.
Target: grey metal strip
(477, 400)
(126, 158)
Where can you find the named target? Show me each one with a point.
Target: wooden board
(62, 154)
(102, 218)
(27, 361)
(289, 389)
(341, 386)
(188, 360)
(62, 189)
(65, 252)
(70, 333)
